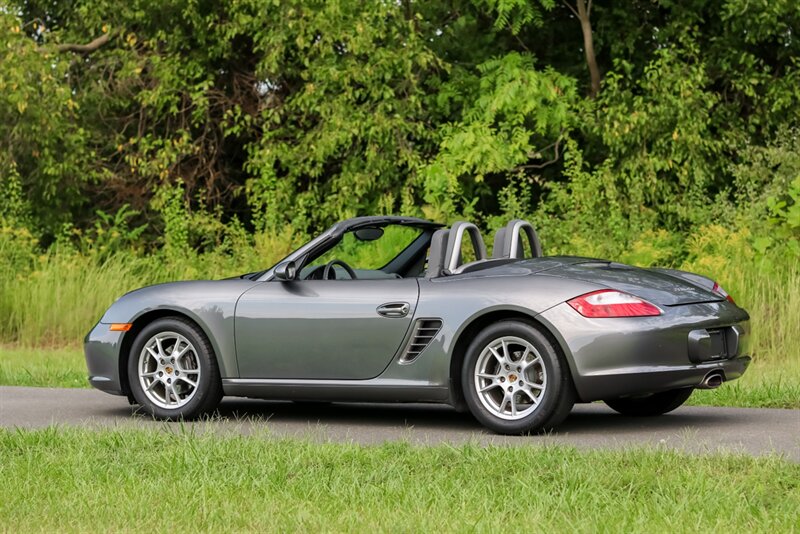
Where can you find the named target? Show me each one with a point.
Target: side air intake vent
(424, 332)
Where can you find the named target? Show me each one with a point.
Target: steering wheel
(326, 273)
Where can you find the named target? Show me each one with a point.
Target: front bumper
(102, 348)
(617, 357)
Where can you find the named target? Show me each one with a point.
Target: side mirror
(286, 271)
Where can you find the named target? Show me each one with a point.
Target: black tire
(655, 404)
(554, 402)
(209, 385)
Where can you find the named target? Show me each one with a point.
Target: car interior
(371, 252)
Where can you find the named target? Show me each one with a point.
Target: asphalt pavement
(590, 426)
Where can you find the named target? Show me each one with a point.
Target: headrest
(436, 254)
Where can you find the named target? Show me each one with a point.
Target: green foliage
(13, 204)
(369, 254)
(514, 15)
(662, 144)
(513, 118)
(785, 211)
(303, 113)
(18, 251)
(112, 233)
(42, 145)
(767, 194)
(170, 203)
(209, 139)
(349, 124)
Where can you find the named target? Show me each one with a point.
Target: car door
(322, 329)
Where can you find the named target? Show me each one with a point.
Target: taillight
(721, 292)
(611, 303)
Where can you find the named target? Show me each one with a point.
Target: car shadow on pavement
(585, 419)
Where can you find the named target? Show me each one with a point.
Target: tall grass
(772, 296)
(64, 298)
(766, 285)
(64, 294)
(54, 299)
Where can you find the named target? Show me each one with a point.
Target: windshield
(370, 254)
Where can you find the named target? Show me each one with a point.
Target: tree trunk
(584, 10)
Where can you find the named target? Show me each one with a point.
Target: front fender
(210, 304)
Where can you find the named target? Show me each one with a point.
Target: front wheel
(172, 370)
(655, 404)
(514, 380)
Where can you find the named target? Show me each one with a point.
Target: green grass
(764, 385)
(149, 480)
(770, 385)
(42, 367)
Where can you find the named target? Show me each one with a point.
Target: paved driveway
(690, 429)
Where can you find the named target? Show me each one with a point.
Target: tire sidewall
(554, 367)
(208, 376)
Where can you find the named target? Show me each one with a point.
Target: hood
(656, 286)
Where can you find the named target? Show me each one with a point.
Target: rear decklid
(656, 286)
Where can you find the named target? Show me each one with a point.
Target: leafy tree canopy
(641, 114)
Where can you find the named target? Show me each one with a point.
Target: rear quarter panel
(461, 300)
(631, 347)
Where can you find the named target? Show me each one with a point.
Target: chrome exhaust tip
(712, 380)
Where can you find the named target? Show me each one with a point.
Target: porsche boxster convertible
(400, 309)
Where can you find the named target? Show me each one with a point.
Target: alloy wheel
(169, 370)
(510, 378)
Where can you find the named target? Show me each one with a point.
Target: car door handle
(394, 309)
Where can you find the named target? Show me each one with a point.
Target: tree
(583, 10)
(304, 112)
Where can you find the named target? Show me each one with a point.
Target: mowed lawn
(152, 480)
(765, 385)
(43, 367)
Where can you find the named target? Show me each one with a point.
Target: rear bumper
(616, 357)
(638, 380)
(101, 348)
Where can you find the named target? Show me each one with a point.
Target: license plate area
(710, 344)
(718, 345)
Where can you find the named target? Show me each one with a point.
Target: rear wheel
(172, 370)
(514, 380)
(650, 405)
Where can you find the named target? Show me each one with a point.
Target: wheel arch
(138, 324)
(476, 325)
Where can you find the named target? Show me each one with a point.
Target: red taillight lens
(719, 291)
(610, 303)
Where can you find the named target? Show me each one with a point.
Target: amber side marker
(120, 327)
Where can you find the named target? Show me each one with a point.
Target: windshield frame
(332, 236)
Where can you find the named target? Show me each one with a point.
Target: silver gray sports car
(399, 309)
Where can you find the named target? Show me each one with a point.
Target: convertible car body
(395, 309)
